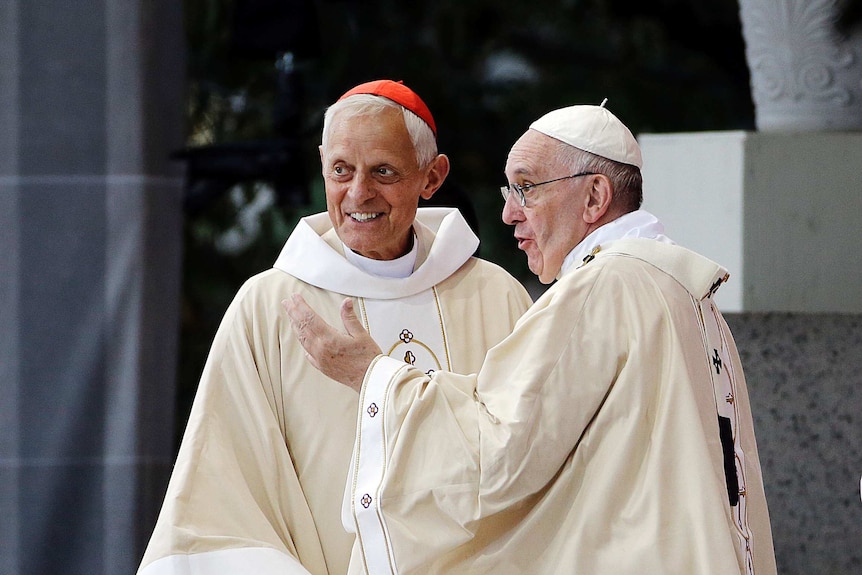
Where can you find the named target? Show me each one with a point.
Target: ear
(320, 151)
(599, 198)
(437, 172)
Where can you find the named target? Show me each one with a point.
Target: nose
(512, 211)
(361, 187)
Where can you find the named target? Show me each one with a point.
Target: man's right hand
(344, 357)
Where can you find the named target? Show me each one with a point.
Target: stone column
(805, 74)
(91, 104)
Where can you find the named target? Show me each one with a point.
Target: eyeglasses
(520, 190)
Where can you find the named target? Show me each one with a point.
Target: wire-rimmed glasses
(520, 190)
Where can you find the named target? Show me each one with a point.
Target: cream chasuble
(261, 473)
(609, 434)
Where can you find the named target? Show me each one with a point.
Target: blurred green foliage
(486, 69)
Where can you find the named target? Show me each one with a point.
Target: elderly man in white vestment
(260, 475)
(610, 433)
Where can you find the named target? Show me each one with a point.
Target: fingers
(351, 323)
(302, 322)
(296, 308)
(344, 357)
(306, 324)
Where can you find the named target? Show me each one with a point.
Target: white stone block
(781, 211)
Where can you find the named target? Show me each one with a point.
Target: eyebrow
(522, 172)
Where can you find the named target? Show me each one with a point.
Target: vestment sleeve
(435, 455)
(234, 491)
(242, 561)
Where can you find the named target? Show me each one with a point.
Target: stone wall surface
(804, 376)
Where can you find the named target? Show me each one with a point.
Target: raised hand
(344, 357)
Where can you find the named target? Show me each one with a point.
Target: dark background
(261, 73)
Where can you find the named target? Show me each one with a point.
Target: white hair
(424, 142)
(626, 178)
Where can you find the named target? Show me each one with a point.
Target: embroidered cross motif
(366, 501)
(409, 357)
(716, 361)
(714, 287)
(372, 410)
(729, 398)
(406, 336)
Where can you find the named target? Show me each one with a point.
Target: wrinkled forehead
(532, 154)
(369, 139)
(365, 118)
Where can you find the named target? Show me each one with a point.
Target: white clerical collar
(637, 224)
(398, 268)
(313, 253)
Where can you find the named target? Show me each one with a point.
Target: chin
(547, 276)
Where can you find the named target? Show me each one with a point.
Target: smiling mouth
(364, 216)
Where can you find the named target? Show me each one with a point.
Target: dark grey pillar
(90, 242)
(804, 374)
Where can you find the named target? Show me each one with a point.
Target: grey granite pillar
(90, 229)
(804, 375)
